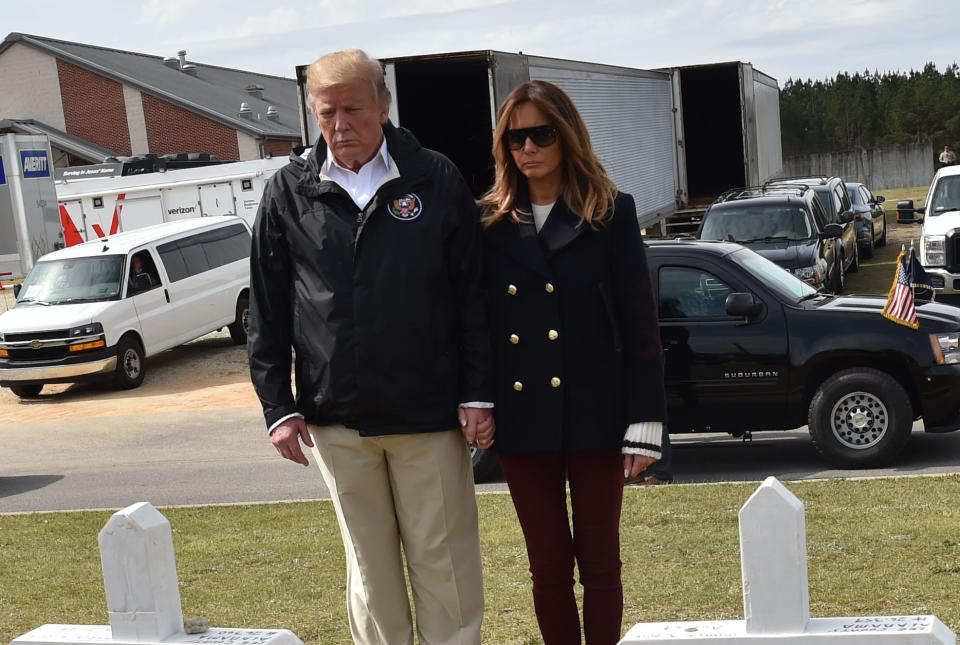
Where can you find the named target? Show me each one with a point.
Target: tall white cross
(776, 604)
(143, 594)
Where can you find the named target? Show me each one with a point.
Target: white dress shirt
(363, 184)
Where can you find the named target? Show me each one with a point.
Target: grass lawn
(876, 547)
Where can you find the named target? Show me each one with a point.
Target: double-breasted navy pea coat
(573, 322)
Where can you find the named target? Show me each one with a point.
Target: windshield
(73, 280)
(757, 222)
(773, 276)
(946, 195)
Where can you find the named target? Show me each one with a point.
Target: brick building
(95, 102)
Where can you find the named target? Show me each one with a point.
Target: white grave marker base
(776, 606)
(101, 635)
(905, 630)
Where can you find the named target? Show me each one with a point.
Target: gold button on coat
(514, 339)
(548, 288)
(555, 382)
(553, 334)
(518, 386)
(512, 290)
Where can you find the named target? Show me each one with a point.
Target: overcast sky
(784, 38)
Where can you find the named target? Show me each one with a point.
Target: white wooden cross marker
(143, 595)
(776, 605)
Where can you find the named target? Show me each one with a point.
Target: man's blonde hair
(347, 66)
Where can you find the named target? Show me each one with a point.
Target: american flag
(900, 308)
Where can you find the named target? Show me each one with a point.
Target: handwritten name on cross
(776, 602)
(143, 594)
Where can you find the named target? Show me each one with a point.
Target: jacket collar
(401, 145)
(521, 241)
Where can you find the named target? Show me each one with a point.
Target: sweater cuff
(643, 439)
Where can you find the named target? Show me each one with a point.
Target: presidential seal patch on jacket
(406, 207)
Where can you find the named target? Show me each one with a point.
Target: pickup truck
(749, 348)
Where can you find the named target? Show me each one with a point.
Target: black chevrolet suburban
(750, 347)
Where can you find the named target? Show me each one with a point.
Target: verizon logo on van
(180, 210)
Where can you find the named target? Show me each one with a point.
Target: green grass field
(875, 547)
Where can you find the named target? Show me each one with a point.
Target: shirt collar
(330, 163)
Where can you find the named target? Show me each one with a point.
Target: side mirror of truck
(920, 209)
(846, 217)
(16, 290)
(743, 304)
(830, 231)
(879, 199)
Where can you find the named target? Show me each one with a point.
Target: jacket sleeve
(637, 317)
(464, 257)
(271, 320)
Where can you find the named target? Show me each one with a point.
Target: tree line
(870, 109)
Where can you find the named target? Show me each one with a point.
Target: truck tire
(860, 418)
(131, 365)
(868, 249)
(486, 464)
(238, 328)
(26, 391)
(883, 238)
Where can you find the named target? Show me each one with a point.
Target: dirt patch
(209, 373)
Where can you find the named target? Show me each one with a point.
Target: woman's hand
(633, 465)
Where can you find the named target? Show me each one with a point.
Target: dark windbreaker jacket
(382, 306)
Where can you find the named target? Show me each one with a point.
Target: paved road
(223, 457)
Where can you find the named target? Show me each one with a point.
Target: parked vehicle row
(811, 226)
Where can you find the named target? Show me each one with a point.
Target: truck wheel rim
(859, 420)
(245, 320)
(131, 364)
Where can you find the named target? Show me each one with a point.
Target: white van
(100, 308)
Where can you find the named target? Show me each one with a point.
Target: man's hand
(633, 465)
(286, 439)
(478, 426)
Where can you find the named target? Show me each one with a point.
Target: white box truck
(94, 208)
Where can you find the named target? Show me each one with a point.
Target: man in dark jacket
(366, 263)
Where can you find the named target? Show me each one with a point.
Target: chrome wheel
(131, 363)
(859, 420)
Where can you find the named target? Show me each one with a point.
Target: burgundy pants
(538, 486)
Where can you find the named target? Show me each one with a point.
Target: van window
(204, 251)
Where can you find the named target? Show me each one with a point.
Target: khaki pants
(417, 491)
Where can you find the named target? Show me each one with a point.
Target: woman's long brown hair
(587, 190)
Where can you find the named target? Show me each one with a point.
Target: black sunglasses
(541, 135)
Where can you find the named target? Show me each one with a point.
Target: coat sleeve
(271, 320)
(464, 257)
(637, 316)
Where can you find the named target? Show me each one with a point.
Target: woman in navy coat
(579, 382)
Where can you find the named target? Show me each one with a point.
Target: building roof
(59, 139)
(215, 92)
